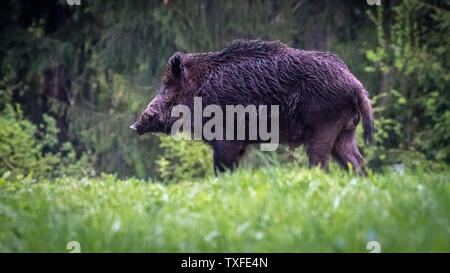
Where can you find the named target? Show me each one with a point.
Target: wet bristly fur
(320, 100)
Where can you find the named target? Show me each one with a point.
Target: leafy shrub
(411, 106)
(23, 146)
(183, 159)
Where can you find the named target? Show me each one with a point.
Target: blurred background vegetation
(73, 78)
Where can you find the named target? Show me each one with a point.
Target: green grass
(266, 210)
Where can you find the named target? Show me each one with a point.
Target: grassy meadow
(264, 210)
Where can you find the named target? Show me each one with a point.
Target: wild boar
(320, 101)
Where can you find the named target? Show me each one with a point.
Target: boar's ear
(176, 64)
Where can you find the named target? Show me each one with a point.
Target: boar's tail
(367, 115)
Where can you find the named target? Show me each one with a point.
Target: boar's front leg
(226, 155)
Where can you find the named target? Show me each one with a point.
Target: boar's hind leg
(346, 151)
(226, 155)
(319, 145)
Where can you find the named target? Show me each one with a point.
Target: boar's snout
(136, 128)
(146, 124)
(141, 124)
(133, 127)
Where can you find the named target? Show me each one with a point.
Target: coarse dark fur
(321, 102)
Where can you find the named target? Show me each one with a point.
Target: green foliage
(19, 152)
(267, 210)
(27, 151)
(412, 101)
(183, 159)
(188, 24)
